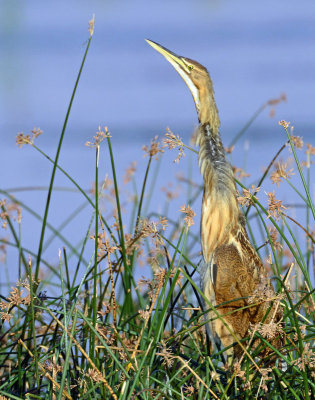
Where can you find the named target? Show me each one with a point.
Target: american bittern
(232, 274)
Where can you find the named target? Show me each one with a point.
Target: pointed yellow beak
(182, 67)
(171, 57)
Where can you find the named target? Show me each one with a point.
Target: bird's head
(196, 78)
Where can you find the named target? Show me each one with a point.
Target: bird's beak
(180, 66)
(171, 57)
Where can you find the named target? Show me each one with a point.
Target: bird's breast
(219, 217)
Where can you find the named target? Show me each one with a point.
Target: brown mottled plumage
(232, 270)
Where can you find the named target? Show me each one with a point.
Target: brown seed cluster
(9, 210)
(274, 102)
(271, 330)
(297, 141)
(239, 173)
(248, 197)
(190, 214)
(171, 192)
(94, 375)
(103, 245)
(310, 150)
(263, 293)
(172, 141)
(99, 137)
(280, 172)
(91, 26)
(229, 150)
(15, 298)
(167, 355)
(284, 123)
(273, 238)
(129, 173)
(275, 207)
(307, 359)
(152, 286)
(154, 149)
(22, 139)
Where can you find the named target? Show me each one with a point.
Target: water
(254, 52)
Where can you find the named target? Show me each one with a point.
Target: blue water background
(254, 51)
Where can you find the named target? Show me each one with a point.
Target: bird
(232, 273)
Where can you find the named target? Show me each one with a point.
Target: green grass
(110, 337)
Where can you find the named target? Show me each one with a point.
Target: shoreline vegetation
(107, 336)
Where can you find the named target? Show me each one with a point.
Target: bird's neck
(220, 211)
(208, 112)
(215, 169)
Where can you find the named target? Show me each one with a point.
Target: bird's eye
(190, 67)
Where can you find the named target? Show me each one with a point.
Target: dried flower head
(170, 192)
(91, 25)
(130, 171)
(103, 245)
(281, 172)
(10, 210)
(297, 141)
(51, 366)
(274, 102)
(3, 250)
(167, 354)
(99, 137)
(275, 207)
(151, 230)
(265, 377)
(190, 214)
(163, 223)
(94, 375)
(145, 314)
(190, 390)
(155, 256)
(154, 149)
(172, 141)
(282, 98)
(263, 293)
(229, 150)
(273, 233)
(22, 139)
(269, 259)
(36, 132)
(249, 195)
(215, 376)
(239, 173)
(108, 308)
(15, 298)
(284, 123)
(4, 214)
(307, 358)
(270, 331)
(238, 370)
(6, 317)
(148, 228)
(310, 150)
(153, 286)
